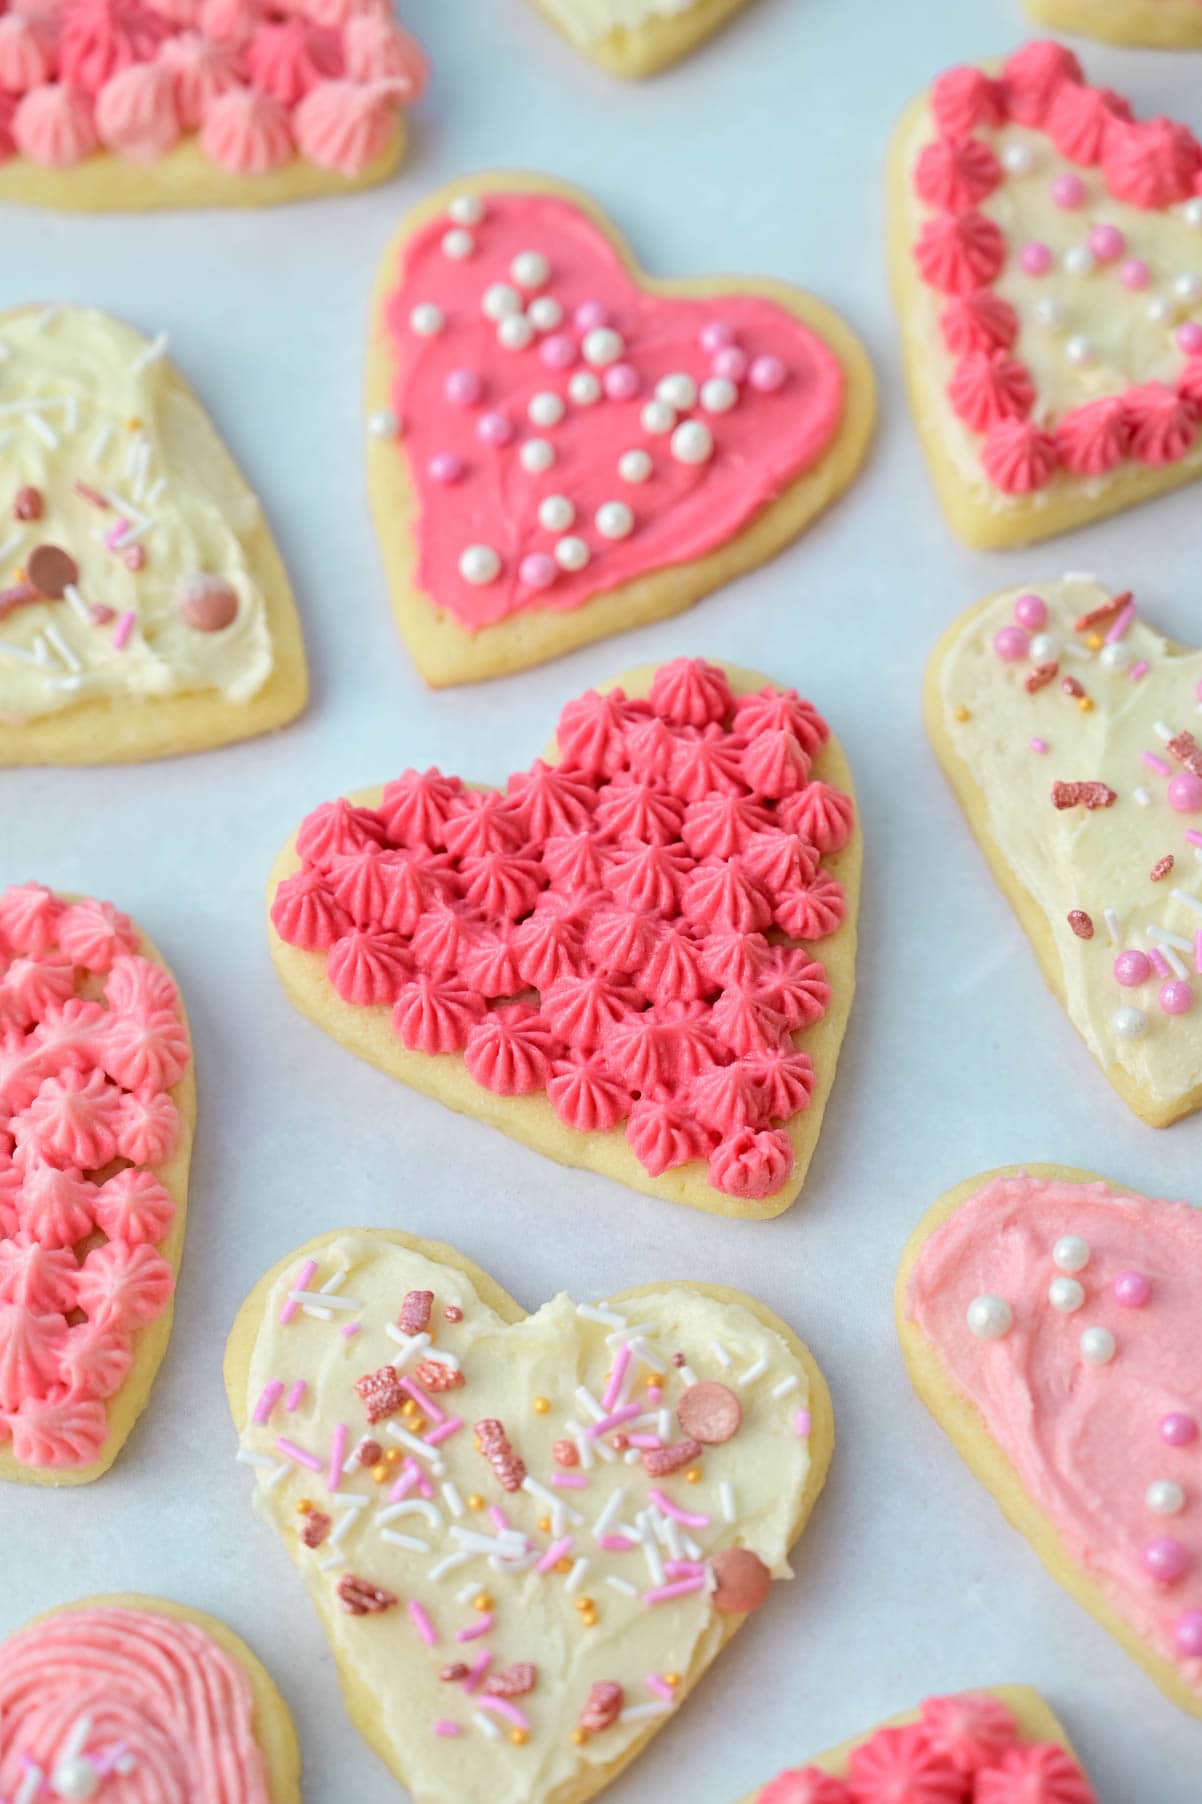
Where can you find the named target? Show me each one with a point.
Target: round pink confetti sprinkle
(766, 374)
(1166, 1559)
(621, 381)
(1039, 745)
(1036, 259)
(559, 351)
(445, 466)
(1031, 611)
(730, 362)
(1185, 792)
(1011, 643)
(1188, 1634)
(537, 570)
(715, 335)
(1176, 997)
(1107, 243)
(1068, 191)
(1132, 968)
(1131, 1290)
(589, 315)
(1135, 274)
(1178, 1429)
(1189, 338)
(463, 388)
(495, 429)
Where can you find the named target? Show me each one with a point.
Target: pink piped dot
(1188, 1634)
(1166, 1559)
(494, 429)
(1068, 191)
(1036, 258)
(1178, 1429)
(1176, 997)
(730, 362)
(1135, 274)
(462, 388)
(766, 374)
(1131, 1290)
(621, 381)
(1031, 611)
(558, 352)
(1107, 243)
(537, 571)
(1185, 792)
(445, 466)
(1132, 968)
(716, 334)
(589, 315)
(1189, 338)
(1011, 643)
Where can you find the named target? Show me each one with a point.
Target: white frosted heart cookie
(144, 608)
(527, 1536)
(1046, 259)
(1066, 726)
(638, 37)
(1161, 24)
(138, 1697)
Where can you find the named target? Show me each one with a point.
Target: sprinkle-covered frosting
(1059, 242)
(131, 1706)
(568, 431)
(526, 1539)
(1078, 724)
(1091, 1382)
(627, 930)
(91, 1044)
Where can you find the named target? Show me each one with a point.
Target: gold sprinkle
(671, 1678)
(579, 1736)
(408, 1407)
(544, 1523)
(379, 1474)
(652, 1379)
(589, 1621)
(541, 1405)
(391, 1456)
(1095, 642)
(693, 1475)
(584, 1605)
(482, 1601)
(519, 1737)
(1085, 703)
(475, 1501)
(134, 424)
(962, 713)
(305, 1506)
(563, 1565)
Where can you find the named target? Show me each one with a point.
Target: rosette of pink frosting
(124, 1286)
(72, 1120)
(728, 1097)
(807, 1785)
(648, 879)
(136, 984)
(673, 970)
(1033, 77)
(1034, 1775)
(978, 321)
(369, 968)
(55, 1204)
(306, 913)
(576, 861)
(747, 1022)
(136, 114)
(640, 1050)
(228, 21)
(586, 1096)
(1151, 162)
(489, 963)
(93, 934)
(29, 915)
(633, 809)
(96, 1360)
(338, 828)
(662, 1136)
(1094, 438)
(53, 125)
(726, 894)
(688, 692)
(344, 126)
(69, 1033)
(1189, 383)
(287, 58)
(813, 910)
(590, 732)
(549, 945)
(511, 1050)
(549, 801)
(1019, 457)
(435, 1015)
(957, 252)
(956, 173)
(145, 1051)
(619, 941)
(134, 1206)
(964, 98)
(41, 1278)
(795, 985)
(375, 49)
(1079, 119)
(30, 1348)
(821, 814)
(751, 1166)
(57, 1431)
(1162, 424)
(775, 765)
(651, 746)
(770, 710)
(900, 1763)
(31, 986)
(721, 825)
(988, 386)
(148, 1128)
(26, 52)
(414, 807)
(706, 765)
(201, 70)
(99, 38)
(786, 1078)
(974, 1729)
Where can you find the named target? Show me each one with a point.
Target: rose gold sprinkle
(361, 1598)
(1084, 795)
(1162, 867)
(1040, 677)
(1080, 923)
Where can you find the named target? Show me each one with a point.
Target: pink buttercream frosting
(54, 125)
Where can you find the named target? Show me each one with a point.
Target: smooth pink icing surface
(684, 510)
(1085, 1440)
(159, 1688)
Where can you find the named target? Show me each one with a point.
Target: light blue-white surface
(763, 153)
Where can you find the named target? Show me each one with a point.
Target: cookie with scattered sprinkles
(1001, 1746)
(634, 38)
(638, 957)
(144, 607)
(1067, 727)
(1161, 24)
(97, 1105)
(140, 1698)
(525, 1536)
(561, 447)
(1046, 258)
(1049, 1321)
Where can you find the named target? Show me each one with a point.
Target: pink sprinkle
(424, 1487)
(617, 1543)
(589, 315)
(474, 1630)
(268, 1398)
(1135, 274)
(443, 1727)
(654, 1393)
(121, 633)
(1068, 191)
(766, 374)
(114, 536)
(503, 1707)
(342, 1435)
(801, 1423)
(135, 558)
(660, 1687)
(1157, 764)
(90, 494)
(446, 1428)
(569, 1481)
(1193, 836)
(610, 1394)
(1198, 951)
(663, 1502)
(662, 1594)
(1139, 670)
(683, 1568)
(295, 1395)
(349, 1330)
(621, 382)
(425, 1627)
(1121, 624)
(1189, 338)
(1160, 962)
(303, 1277)
(715, 334)
(414, 1390)
(1107, 243)
(556, 1551)
(500, 1520)
(1036, 259)
(479, 1667)
(558, 352)
(445, 466)
(644, 1440)
(627, 1413)
(291, 1451)
(1040, 745)
(405, 1483)
(730, 362)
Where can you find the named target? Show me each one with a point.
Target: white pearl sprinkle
(426, 319)
(1188, 287)
(1066, 1295)
(634, 466)
(466, 209)
(75, 1778)
(989, 1318)
(1159, 310)
(1080, 350)
(556, 513)
(657, 416)
(545, 408)
(1129, 1023)
(1050, 313)
(529, 269)
(536, 455)
(718, 395)
(384, 424)
(479, 564)
(458, 244)
(515, 332)
(602, 345)
(1114, 657)
(1098, 1346)
(679, 391)
(1164, 1498)
(544, 313)
(692, 442)
(1079, 260)
(584, 388)
(571, 554)
(1019, 159)
(1044, 647)
(614, 520)
(1071, 1253)
(499, 300)
(1191, 212)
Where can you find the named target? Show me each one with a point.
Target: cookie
(611, 960)
(521, 1559)
(1001, 1746)
(1046, 259)
(112, 106)
(561, 447)
(1049, 1323)
(144, 609)
(1162, 24)
(634, 38)
(141, 1688)
(97, 1106)
(1064, 725)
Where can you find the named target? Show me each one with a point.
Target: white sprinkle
(594, 1312)
(1173, 961)
(409, 1542)
(155, 492)
(18, 655)
(42, 650)
(349, 1500)
(650, 1357)
(1184, 897)
(663, 1425)
(46, 433)
(443, 1358)
(754, 1371)
(487, 1724)
(246, 1456)
(655, 1565)
(410, 1506)
(31, 1785)
(1163, 732)
(76, 1739)
(687, 1375)
(691, 1548)
(1112, 925)
(1163, 936)
(584, 1445)
(346, 1526)
(609, 1513)
(629, 1332)
(71, 414)
(720, 1354)
(409, 1343)
(451, 1498)
(1141, 795)
(589, 1403)
(465, 1593)
(638, 1713)
(59, 642)
(509, 1543)
(10, 546)
(281, 1472)
(555, 1504)
(449, 1564)
(77, 604)
(575, 1577)
(633, 1457)
(1079, 576)
(1082, 653)
(620, 1584)
(785, 1386)
(151, 354)
(416, 1446)
(100, 443)
(726, 1501)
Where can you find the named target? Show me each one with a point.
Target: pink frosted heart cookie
(561, 447)
(1049, 1321)
(97, 1103)
(612, 959)
(1046, 252)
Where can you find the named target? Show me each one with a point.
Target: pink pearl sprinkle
(1032, 611)
(1178, 1429)
(1011, 643)
(445, 466)
(589, 315)
(1107, 243)
(730, 362)
(1166, 1559)
(766, 374)
(1132, 968)
(1189, 338)
(1131, 1289)
(1068, 191)
(537, 570)
(558, 352)
(495, 429)
(1176, 997)
(1185, 792)
(716, 334)
(1188, 1634)
(621, 381)
(1135, 274)
(1036, 259)
(1039, 745)
(462, 388)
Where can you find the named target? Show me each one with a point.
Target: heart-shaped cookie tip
(521, 1549)
(1159, 24)
(97, 1103)
(561, 447)
(999, 1746)
(1049, 1322)
(1046, 253)
(1067, 728)
(136, 1688)
(636, 38)
(611, 959)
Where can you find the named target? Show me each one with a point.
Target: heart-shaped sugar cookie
(97, 1105)
(1049, 1321)
(138, 1697)
(1164, 24)
(144, 607)
(527, 1536)
(634, 38)
(1000, 1746)
(611, 959)
(561, 447)
(1066, 727)
(1046, 254)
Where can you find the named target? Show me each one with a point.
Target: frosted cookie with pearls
(1086, 1425)
(523, 1559)
(638, 957)
(518, 354)
(1159, 24)
(1045, 248)
(144, 607)
(131, 1696)
(1071, 734)
(635, 38)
